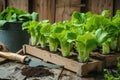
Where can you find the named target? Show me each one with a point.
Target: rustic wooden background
(59, 10)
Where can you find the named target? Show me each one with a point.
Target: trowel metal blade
(44, 64)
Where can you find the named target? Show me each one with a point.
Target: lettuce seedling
(106, 13)
(79, 18)
(62, 31)
(116, 22)
(45, 32)
(84, 45)
(102, 38)
(105, 48)
(33, 27)
(39, 31)
(53, 38)
(53, 43)
(66, 38)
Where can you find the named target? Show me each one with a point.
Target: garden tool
(27, 60)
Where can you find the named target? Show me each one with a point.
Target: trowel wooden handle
(13, 56)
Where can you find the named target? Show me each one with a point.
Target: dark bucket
(13, 36)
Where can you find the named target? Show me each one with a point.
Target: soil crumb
(36, 72)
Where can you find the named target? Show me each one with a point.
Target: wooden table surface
(11, 70)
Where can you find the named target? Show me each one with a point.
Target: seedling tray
(108, 60)
(82, 69)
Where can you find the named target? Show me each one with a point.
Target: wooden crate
(81, 69)
(108, 60)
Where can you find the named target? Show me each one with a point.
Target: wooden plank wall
(45, 8)
(59, 10)
(21, 4)
(2, 5)
(116, 5)
(65, 8)
(97, 6)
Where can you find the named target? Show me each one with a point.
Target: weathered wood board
(97, 6)
(12, 71)
(2, 5)
(4, 49)
(65, 8)
(2, 60)
(45, 8)
(59, 10)
(67, 75)
(81, 69)
(20, 4)
(108, 60)
(116, 5)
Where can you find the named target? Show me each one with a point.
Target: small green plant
(11, 14)
(33, 28)
(84, 45)
(39, 31)
(110, 75)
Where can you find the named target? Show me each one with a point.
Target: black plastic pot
(13, 36)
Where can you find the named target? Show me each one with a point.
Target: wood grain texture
(21, 4)
(65, 8)
(2, 5)
(2, 60)
(97, 6)
(108, 60)
(82, 69)
(67, 75)
(45, 8)
(116, 5)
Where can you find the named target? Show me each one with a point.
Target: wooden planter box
(108, 60)
(81, 69)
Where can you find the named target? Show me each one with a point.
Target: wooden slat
(65, 8)
(116, 5)
(2, 5)
(108, 60)
(67, 75)
(21, 4)
(45, 8)
(97, 6)
(2, 60)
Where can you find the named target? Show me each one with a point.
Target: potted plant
(11, 33)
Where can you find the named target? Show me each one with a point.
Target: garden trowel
(27, 60)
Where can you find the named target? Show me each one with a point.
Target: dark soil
(36, 72)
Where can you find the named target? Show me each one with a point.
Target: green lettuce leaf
(84, 45)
